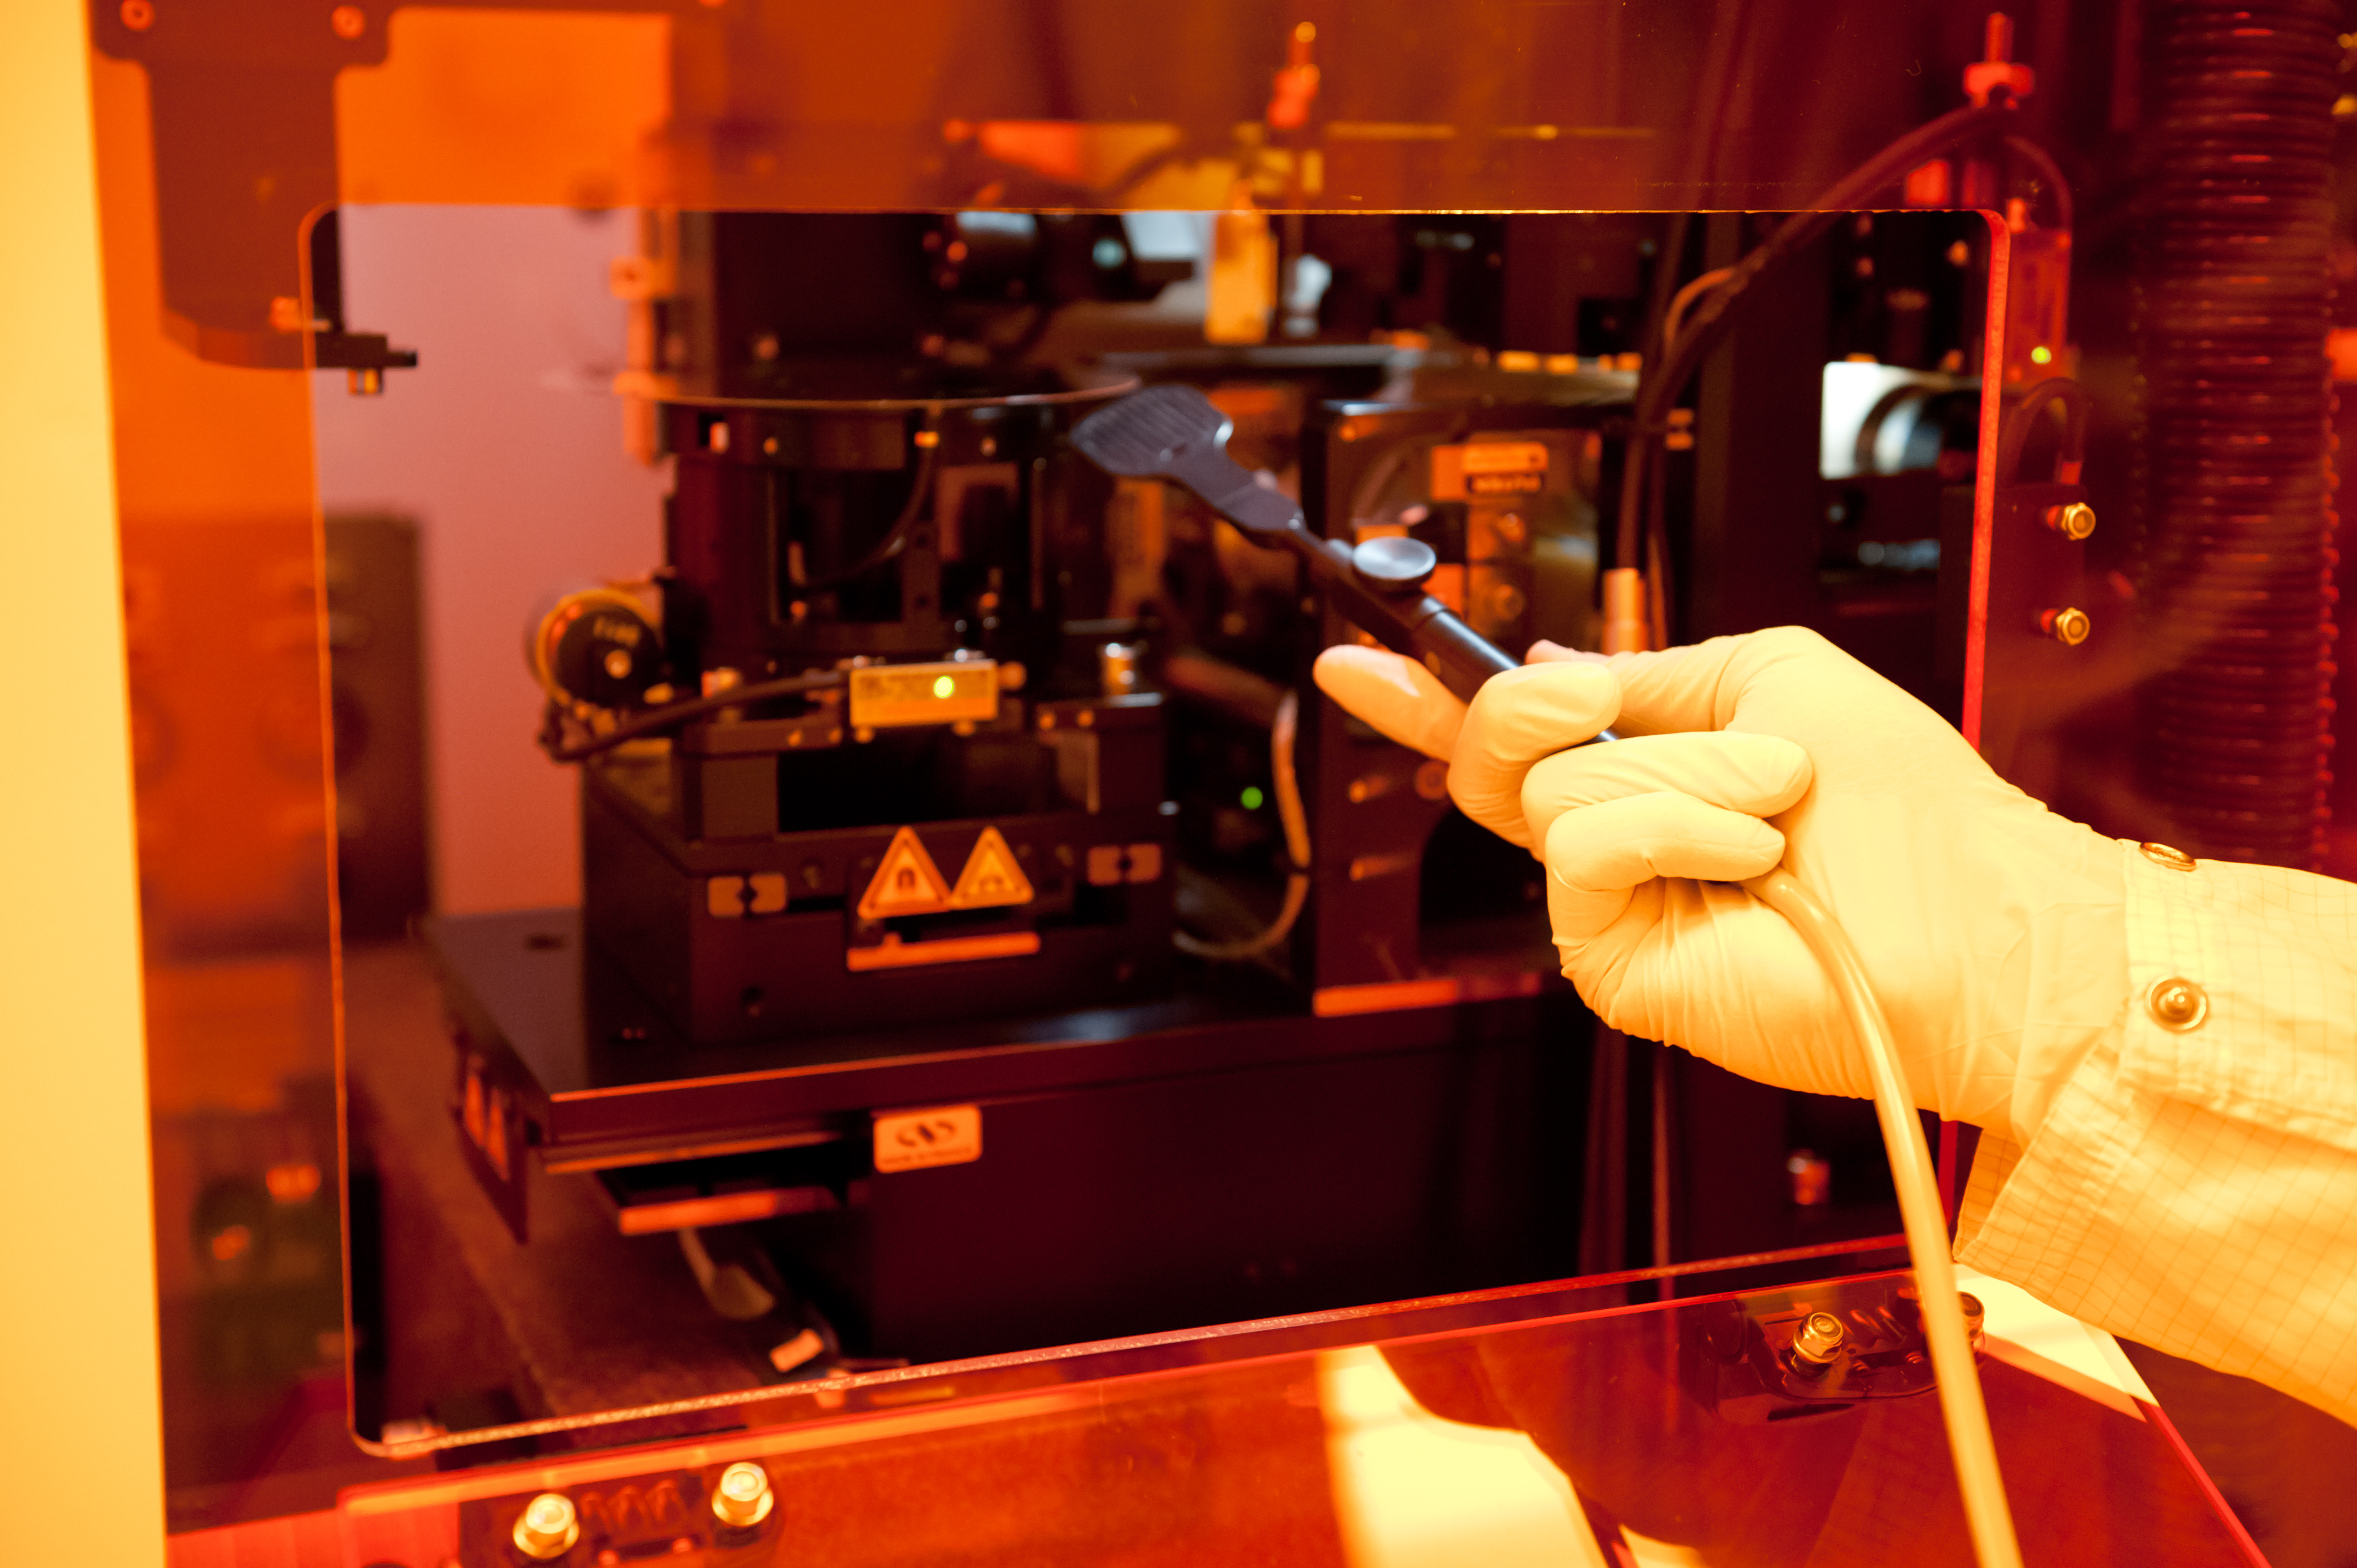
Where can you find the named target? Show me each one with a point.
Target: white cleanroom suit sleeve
(2192, 1184)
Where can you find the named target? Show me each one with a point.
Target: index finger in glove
(1517, 717)
(1598, 857)
(1736, 770)
(1398, 696)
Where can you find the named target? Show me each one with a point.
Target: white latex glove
(1993, 930)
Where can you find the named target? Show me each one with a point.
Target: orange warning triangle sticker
(991, 876)
(908, 882)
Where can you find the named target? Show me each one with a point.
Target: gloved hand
(1993, 930)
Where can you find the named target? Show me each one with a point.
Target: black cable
(1628, 547)
(896, 538)
(1660, 382)
(1725, 47)
(673, 713)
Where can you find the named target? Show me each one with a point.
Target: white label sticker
(942, 1135)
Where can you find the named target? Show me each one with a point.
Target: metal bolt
(2073, 522)
(548, 1527)
(1974, 1316)
(1820, 1340)
(2068, 626)
(744, 1497)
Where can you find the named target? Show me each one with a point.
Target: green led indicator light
(1252, 797)
(943, 685)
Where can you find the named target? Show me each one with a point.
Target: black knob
(1393, 563)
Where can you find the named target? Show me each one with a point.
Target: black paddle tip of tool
(1149, 434)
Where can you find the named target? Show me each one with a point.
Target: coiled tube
(2233, 296)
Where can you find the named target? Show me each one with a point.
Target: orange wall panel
(546, 107)
(191, 439)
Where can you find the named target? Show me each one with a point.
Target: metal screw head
(138, 15)
(2068, 626)
(2073, 522)
(1975, 1315)
(743, 1498)
(548, 1527)
(1394, 561)
(1821, 1336)
(349, 21)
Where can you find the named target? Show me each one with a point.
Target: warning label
(907, 882)
(991, 876)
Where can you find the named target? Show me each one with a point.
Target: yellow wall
(81, 1471)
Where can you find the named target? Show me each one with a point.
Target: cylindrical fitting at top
(1117, 669)
(1627, 628)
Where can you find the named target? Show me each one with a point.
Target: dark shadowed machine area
(754, 958)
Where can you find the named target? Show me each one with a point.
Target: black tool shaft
(1415, 623)
(1175, 433)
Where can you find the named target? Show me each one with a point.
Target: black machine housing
(730, 870)
(937, 774)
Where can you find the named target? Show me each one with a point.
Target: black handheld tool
(1175, 433)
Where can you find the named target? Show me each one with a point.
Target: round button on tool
(743, 1497)
(548, 1527)
(2176, 1004)
(1394, 561)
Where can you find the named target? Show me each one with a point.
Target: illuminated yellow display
(885, 696)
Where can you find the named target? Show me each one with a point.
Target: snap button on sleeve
(2176, 1004)
(2163, 854)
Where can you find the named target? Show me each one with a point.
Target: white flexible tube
(1961, 1406)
